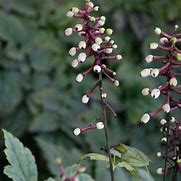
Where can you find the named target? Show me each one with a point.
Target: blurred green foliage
(39, 100)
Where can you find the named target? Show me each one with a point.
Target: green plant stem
(108, 144)
(166, 151)
(106, 131)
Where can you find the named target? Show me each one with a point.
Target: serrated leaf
(22, 163)
(95, 156)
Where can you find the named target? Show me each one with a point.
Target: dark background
(39, 99)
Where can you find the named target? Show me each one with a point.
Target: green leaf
(95, 156)
(22, 163)
(71, 170)
(9, 100)
(133, 156)
(125, 165)
(55, 150)
(85, 177)
(16, 34)
(24, 7)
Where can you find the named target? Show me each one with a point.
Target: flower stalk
(96, 44)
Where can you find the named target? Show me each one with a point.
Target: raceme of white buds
(97, 46)
(96, 43)
(169, 69)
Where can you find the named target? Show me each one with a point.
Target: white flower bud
(75, 10)
(166, 108)
(103, 18)
(104, 95)
(164, 140)
(158, 31)
(100, 125)
(101, 23)
(163, 40)
(176, 27)
(145, 118)
(81, 169)
(159, 154)
(85, 99)
(146, 91)
(96, 8)
(101, 30)
(98, 40)
(76, 131)
(109, 50)
(173, 82)
(149, 58)
(82, 45)
(111, 42)
(145, 72)
(153, 46)
(78, 27)
(116, 83)
(159, 171)
(75, 63)
(97, 69)
(115, 46)
(81, 57)
(109, 31)
(68, 31)
(119, 57)
(70, 14)
(72, 51)
(178, 56)
(90, 4)
(155, 93)
(92, 18)
(155, 72)
(107, 38)
(79, 77)
(163, 121)
(95, 47)
(172, 119)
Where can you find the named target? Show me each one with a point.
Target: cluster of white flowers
(166, 44)
(96, 42)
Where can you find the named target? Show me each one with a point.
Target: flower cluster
(170, 60)
(171, 90)
(97, 45)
